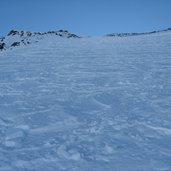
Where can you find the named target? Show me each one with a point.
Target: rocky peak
(17, 38)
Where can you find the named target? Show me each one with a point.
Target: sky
(85, 17)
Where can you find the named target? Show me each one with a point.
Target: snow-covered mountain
(20, 38)
(89, 104)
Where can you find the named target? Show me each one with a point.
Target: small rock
(13, 32)
(15, 44)
(2, 46)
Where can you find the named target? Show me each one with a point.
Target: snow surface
(89, 104)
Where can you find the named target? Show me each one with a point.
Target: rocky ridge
(135, 34)
(17, 38)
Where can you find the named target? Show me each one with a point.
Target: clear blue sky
(85, 17)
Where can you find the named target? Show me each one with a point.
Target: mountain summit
(17, 38)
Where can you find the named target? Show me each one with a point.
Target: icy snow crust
(89, 104)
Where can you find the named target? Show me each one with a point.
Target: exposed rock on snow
(16, 38)
(135, 34)
(2, 46)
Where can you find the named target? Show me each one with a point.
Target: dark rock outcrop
(22, 33)
(63, 31)
(27, 37)
(2, 46)
(73, 36)
(135, 34)
(15, 44)
(13, 32)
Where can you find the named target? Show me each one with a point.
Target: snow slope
(89, 104)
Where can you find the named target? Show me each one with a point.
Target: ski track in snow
(90, 104)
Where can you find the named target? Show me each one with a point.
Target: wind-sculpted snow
(90, 104)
